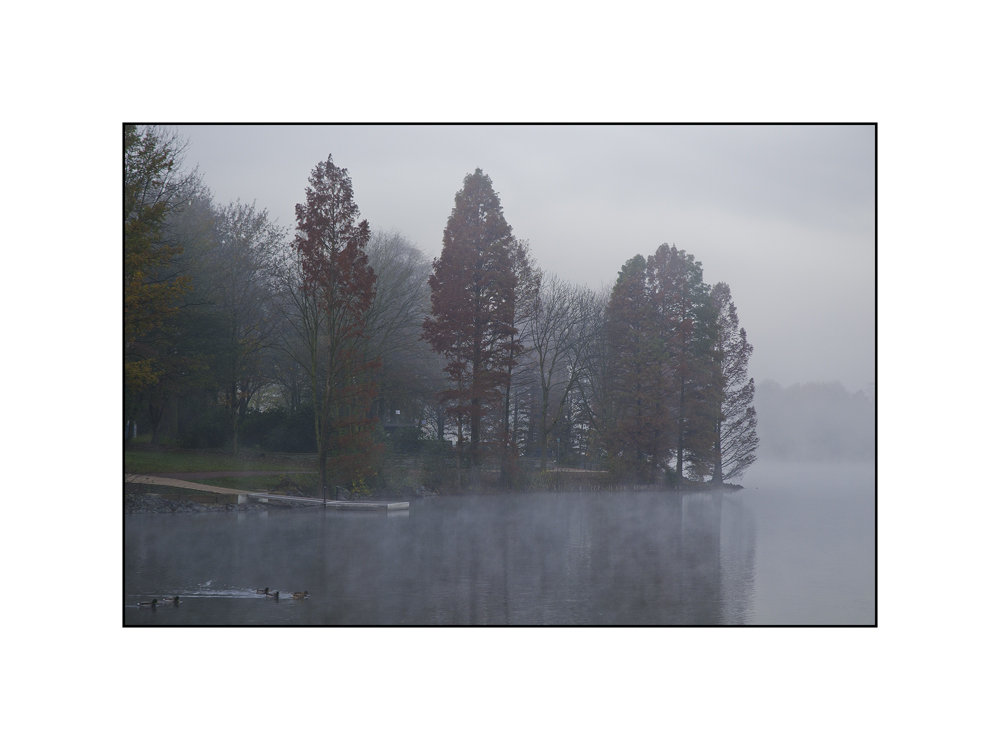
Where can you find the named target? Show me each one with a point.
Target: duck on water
(175, 600)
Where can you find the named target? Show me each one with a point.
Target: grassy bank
(397, 476)
(178, 462)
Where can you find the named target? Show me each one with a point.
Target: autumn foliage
(338, 286)
(150, 191)
(473, 302)
(661, 329)
(648, 379)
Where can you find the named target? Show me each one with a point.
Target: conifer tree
(337, 286)
(153, 189)
(735, 423)
(473, 296)
(637, 388)
(689, 334)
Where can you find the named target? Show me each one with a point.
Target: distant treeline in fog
(814, 421)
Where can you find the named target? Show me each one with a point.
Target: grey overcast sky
(784, 214)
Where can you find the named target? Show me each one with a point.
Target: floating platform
(337, 504)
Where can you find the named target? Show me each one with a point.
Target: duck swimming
(148, 604)
(300, 595)
(263, 591)
(271, 593)
(175, 601)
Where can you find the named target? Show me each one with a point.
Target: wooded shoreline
(356, 345)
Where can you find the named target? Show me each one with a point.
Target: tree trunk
(156, 418)
(717, 468)
(474, 412)
(236, 423)
(474, 433)
(172, 418)
(544, 437)
(458, 460)
(505, 437)
(322, 474)
(680, 436)
(655, 455)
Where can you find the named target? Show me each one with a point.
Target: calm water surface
(797, 546)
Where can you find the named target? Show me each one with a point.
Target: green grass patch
(176, 462)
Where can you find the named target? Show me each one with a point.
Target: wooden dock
(337, 504)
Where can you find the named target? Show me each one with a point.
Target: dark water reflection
(615, 559)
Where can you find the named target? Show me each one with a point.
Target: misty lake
(797, 546)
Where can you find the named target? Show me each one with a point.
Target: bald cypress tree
(678, 389)
(473, 296)
(637, 425)
(336, 288)
(735, 422)
(686, 324)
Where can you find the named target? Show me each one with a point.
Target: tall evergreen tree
(637, 391)
(688, 327)
(337, 288)
(183, 348)
(153, 190)
(691, 355)
(473, 297)
(735, 422)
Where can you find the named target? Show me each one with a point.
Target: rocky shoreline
(156, 503)
(153, 503)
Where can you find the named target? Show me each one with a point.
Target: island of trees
(349, 344)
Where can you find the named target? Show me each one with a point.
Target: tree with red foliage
(688, 329)
(660, 331)
(636, 427)
(336, 288)
(473, 297)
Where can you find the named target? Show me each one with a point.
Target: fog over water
(783, 214)
(796, 547)
(900, 684)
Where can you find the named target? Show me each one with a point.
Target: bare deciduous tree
(246, 244)
(561, 323)
(411, 374)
